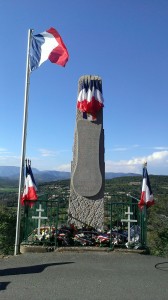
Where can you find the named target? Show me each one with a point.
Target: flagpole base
(17, 250)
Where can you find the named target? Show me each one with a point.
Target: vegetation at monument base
(7, 229)
(157, 215)
(117, 188)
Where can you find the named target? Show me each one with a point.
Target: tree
(7, 229)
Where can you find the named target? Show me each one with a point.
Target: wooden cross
(129, 220)
(39, 218)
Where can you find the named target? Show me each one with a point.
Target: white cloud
(9, 160)
(3, 151)
(120, 149)
(64, 167)
(122, 166)
(50, 153)
(160, 148)
(158, 156)
(47, 153)
(157, 162)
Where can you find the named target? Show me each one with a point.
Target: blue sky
(125, 42)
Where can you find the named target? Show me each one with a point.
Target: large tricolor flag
(146, 194)
(90, 99)
(47, 45)
(30, 189)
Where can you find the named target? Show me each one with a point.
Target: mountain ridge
(12, 173)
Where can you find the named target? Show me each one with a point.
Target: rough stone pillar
(86, 203)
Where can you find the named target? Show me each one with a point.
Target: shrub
(7, 229)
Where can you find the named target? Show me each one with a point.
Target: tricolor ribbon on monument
(40, 47)
(90, 99)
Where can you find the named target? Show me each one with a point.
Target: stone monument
(86, 203)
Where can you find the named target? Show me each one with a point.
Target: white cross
(39, 217)
(128, 221)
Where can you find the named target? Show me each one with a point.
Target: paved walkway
(83, 276)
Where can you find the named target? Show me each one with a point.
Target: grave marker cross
(39, 218)
(129, 220)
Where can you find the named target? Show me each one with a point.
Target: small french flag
(29, 194)
(146, 194)
(47, 45)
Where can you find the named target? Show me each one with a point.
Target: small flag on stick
(29, 193)
(146, 194)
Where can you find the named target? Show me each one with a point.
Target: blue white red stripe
(29, 193)
(146, 194)
(90, 99)
(47, 45)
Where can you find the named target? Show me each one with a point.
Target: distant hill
(10, 173)
(111, 175)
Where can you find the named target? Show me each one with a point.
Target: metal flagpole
(23, 149)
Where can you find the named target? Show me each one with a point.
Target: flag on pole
(47, 45)
(146, 194)
(90, 99)
(29, 193)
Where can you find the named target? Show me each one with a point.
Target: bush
(158, 227)
(7, 229)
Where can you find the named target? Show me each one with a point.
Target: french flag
(146, 194)
(47, 45)
(29, 193)
(90, 99)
